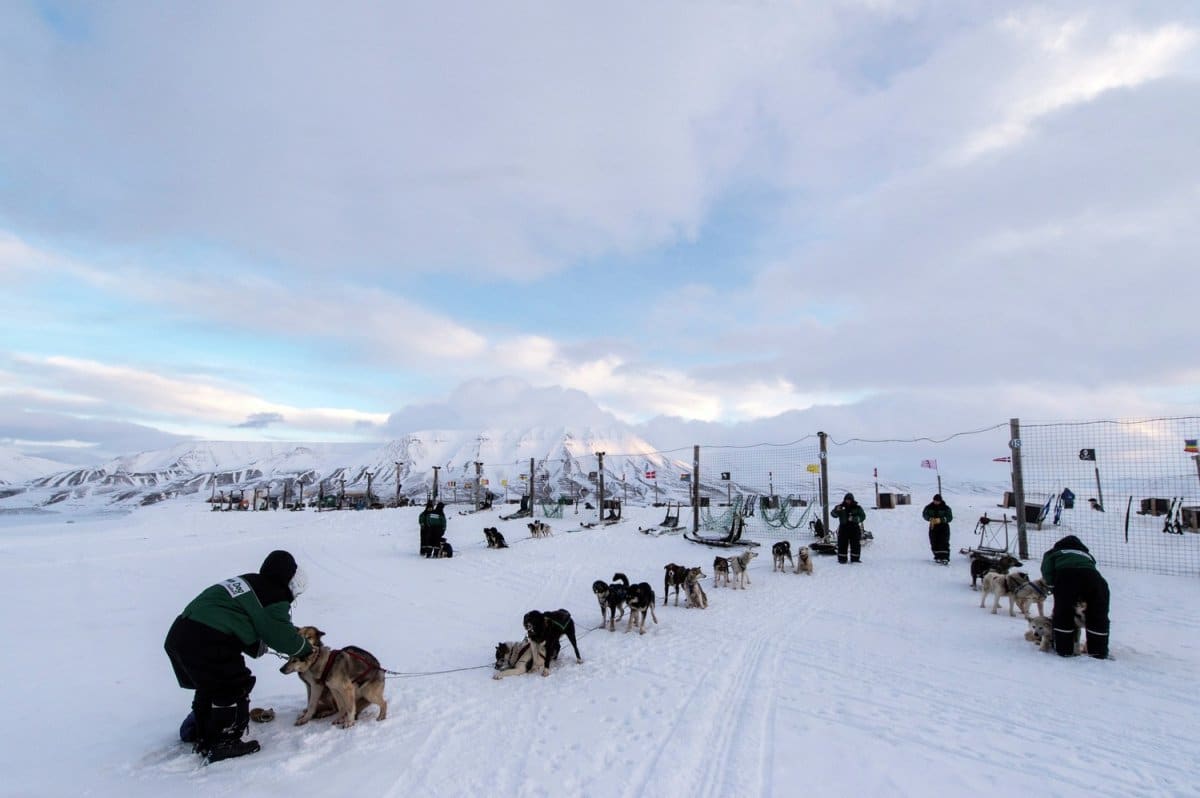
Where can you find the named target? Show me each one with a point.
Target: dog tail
(620, 577)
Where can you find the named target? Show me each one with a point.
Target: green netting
(552, 509)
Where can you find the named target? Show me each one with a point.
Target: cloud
(260, 421)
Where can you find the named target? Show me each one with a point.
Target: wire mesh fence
(775, 489)
(1130, 490)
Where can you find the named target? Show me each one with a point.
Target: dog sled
(523, 512)
(731, 538)
(669, 525)
(826, 540)
(989, 537)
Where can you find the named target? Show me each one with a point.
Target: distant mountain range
(564, 463)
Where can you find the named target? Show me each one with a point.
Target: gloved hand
(255, 649)
(935, 521)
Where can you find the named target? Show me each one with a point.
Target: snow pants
(939, 541)
(211, 663)
(1071, 586)
(849, 536)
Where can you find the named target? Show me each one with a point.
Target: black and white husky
(495, 539)
(640, 598)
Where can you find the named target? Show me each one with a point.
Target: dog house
(1190, 518)
(890, 501)
(1010, 499)
(1154, 507)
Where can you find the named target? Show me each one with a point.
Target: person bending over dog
(1069, 570)
(241, 615)
(939, 515)
(850, 516)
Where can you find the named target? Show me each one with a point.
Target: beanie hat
(849, 497)
(279, 567)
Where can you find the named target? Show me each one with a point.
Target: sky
(713, 221)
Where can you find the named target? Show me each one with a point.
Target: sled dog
(999, 585)
(804, 563)
(516, 657)
(720, 571)
(351, 675)
(640, 598)
(741, 568)
(546, 628)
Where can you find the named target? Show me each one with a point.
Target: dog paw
(545, 671)
(300, 721)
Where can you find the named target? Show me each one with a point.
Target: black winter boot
(222, 735)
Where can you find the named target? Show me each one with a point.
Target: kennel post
(397, 462)
(695, 489)
(435, 483)
(600, 477)
(531, 486)
(1018, 485)
(824, 481)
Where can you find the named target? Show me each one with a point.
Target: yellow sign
(813, 468)
(483, 482)
(504, 483)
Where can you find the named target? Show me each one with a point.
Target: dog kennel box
(1010, 499)
(887, 501)
(903, 498)
(1033, 512)
(1190, 518)
(1155, 507)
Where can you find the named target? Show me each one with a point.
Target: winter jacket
(1066, 553)
(435, 521)
(849, 513)
(254, 608)
(934, 510)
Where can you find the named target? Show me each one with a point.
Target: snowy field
(884, 678)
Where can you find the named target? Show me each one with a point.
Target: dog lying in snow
(514, 658)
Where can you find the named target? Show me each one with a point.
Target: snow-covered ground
(879, 679)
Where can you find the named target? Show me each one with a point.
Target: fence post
(600, 473)
(696, 489)
(530, 487)
(824, 481)
(1018, 485)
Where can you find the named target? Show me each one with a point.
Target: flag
(685, 477)
(1189, 446)
(651, 475)
(929, 464)
(725, 475)
(1005, 459)
(813, 468)
(1087, 454)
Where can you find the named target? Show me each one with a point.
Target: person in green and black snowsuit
(939, 515)
(1070, 572)
(428, 539)
(433, 529)
(850, 516)
(244, 614)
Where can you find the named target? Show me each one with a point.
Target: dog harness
(356, 653)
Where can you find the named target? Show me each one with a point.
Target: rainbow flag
(1189, 446)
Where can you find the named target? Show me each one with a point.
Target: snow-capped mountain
(16, 467)
(464, 464)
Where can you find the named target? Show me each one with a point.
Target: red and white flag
(1005, 459)
(651, 474)
(929, 464)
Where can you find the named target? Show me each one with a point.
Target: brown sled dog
(351, 675)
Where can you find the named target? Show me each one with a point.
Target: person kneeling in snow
(241, 615)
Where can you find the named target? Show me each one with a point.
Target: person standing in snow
(850, 516)
(244, 614)
(939, 515)
(437, 529)
(1069, 570)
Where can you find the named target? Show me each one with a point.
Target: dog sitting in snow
(539, 529)
(495, 539)
(351, 675)
(804, 563)
(517, 657)
(694, 590)
(741, 568)
(779, 552)
(1000, 585)
(674, 578)
(720, 571)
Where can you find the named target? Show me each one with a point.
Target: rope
(414, 674)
